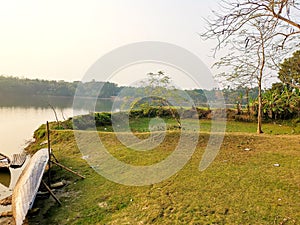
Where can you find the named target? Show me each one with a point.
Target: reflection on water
(35, 101)
(20, 116)
(42, 102)
(5, 176)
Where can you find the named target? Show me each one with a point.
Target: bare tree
(232, 16)
(55, 114)
(158, 88)
(257, 34)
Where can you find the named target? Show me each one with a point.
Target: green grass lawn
(239, 187)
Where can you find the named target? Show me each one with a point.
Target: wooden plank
(28, 184)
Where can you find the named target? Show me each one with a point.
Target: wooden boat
(28, 184)
(18, 160)
(4, 161)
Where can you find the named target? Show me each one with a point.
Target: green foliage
(18, 86)
(67, 124)
(103, 119)
(23, 88)
(151, 112)
(139, 122)
(289, 72)
(84, 122)
(89, 121)
(198, 96)
(281, 102)
(40, 132)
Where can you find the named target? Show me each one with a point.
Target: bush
(40, 132)
(203, 113)
(67, 124)
(103, 119)
(84, 122)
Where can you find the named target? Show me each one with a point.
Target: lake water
(20, 117)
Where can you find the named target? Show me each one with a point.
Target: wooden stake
(68, 169)
(54, 157)
(49, 153)
(51, 193)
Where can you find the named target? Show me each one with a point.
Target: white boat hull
(28, 184)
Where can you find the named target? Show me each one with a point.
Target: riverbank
(254, 179)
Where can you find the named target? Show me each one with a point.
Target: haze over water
(20, 117)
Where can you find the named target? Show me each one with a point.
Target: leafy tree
(270, 104)
(289, 72)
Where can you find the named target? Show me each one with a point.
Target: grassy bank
(239, 187)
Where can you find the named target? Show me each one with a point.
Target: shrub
(40, 132)
(103, 119)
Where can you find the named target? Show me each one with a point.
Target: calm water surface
(19, 118)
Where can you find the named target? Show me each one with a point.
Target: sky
(62, 39)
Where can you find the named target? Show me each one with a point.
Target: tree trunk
(261, 73)
(259, 116)
(248, 103)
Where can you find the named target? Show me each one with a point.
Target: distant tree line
(37, 87)
(14, 86)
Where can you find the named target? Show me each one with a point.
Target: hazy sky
(61, 39)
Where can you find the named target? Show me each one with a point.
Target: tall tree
(257, 33)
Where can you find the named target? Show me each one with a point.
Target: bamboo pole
(68, 169)
(51, 193)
